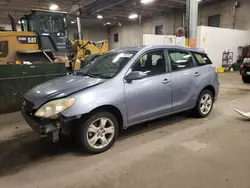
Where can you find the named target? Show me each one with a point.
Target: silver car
(120, 89)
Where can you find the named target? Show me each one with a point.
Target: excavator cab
(51, 30)
(43, 38)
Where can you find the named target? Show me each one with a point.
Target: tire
(97, 133)
(200, 111)
(246, 79)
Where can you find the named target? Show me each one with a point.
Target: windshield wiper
(101, 76)
(86, 74)
(92, 75)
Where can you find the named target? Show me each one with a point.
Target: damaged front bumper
(45, 126)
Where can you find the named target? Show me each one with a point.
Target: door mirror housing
(135, 75)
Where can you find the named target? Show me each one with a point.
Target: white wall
(217, 40)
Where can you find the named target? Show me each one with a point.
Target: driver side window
(152, 63)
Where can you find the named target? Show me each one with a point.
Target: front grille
(27, 105)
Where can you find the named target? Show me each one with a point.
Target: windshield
(89, 60)
(107, 65)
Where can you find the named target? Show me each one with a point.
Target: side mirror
(135, 75)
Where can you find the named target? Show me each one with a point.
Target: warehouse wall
(93, 33)
(226, 16)
(242, 15)
(8, 27)
(130, 33)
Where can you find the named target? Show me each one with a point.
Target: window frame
(194, 64)
(167, 69)
(210, 18)
(156, 29)
(116, 35)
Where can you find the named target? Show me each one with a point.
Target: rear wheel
(204, 104)
(246, 79)
(97, 133)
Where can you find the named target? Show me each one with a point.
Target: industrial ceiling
(113, 11)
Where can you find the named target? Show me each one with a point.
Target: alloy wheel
(206, 103)
(100, 133)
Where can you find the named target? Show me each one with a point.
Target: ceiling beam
(179, 1)
(106, 5)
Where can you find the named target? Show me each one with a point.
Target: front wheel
(246, 79)
(204, 104)
(97, 133)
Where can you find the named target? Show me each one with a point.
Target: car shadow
(25, 149)
(153, 125)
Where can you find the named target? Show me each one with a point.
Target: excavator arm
(83, 48)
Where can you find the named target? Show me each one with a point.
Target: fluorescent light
(133, 16)
(108, 23)
(73, 22)
(146, 1)
(53, 7)
(99, 16)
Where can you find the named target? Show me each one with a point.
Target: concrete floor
(177, 151)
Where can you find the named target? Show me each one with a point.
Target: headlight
(52, 108)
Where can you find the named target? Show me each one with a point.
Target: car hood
(60, 87)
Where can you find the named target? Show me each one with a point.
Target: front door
(184, 76)
(151, 96)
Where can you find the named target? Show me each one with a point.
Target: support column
(192, 15)
(79, 25)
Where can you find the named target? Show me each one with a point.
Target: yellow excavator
(44, 38)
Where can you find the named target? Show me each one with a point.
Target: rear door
(184, 76)
(208, 76)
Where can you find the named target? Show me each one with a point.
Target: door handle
(165, 81)
(197, 74)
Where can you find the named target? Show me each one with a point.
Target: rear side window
(202, 59)
(3, 49)
(180, 60)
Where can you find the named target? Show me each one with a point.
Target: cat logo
(27, 40)
(32, 40)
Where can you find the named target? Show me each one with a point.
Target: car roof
(140, 48)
